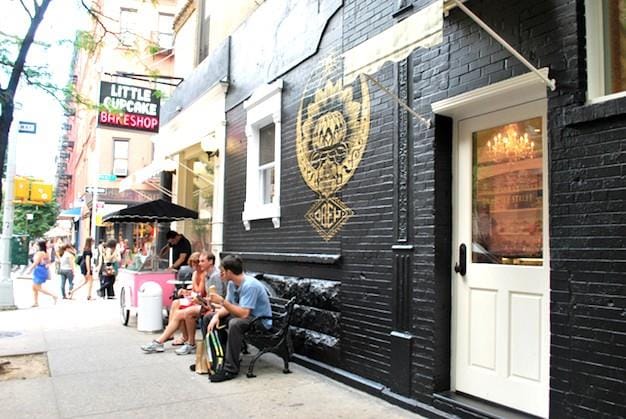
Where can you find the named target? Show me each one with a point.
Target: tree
(43, 218)
(18, 71)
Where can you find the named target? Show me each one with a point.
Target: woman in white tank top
(66, 268)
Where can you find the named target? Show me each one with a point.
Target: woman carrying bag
(86, 268)
(41, 274)
(108, 266)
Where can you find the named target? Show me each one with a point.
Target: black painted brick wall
(588, 316)
(364, 242)
(587, 145)
(295, 235)
(366, 247)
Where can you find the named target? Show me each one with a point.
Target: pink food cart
(146, 269)
(131, 281)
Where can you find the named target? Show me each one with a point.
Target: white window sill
(601, 99)
(261, 212)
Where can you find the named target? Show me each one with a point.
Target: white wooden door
(500, 302)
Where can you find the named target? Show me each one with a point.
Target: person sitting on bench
(183, 294)
(184, 309)
(246, 299)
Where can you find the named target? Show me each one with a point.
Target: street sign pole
(94, 189)
(7, 301)
(94, 209)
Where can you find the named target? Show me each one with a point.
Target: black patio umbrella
(158, 211)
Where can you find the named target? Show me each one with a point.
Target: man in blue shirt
(246, 299)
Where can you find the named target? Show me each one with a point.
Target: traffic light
(40, 192)
(21, 189)
(29, 191)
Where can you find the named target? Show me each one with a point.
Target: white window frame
(120, 157)
(262, 109)
(263, 168)
(596, 89)
(127, 37)
(165, 37)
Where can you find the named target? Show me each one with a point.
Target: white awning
(142, 175)
(57, 231)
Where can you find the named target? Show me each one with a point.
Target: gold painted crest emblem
(332, 131)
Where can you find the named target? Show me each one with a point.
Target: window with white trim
(203, 30)
(266, 164)
(128, 23)
(120, 157)
(263, 128)
(166, 31)
(606, 49)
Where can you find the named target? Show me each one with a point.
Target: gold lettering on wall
(331, 135)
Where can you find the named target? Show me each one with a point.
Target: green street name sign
(107, 176)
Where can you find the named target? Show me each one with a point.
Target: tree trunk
(7, 95)
(5, 123)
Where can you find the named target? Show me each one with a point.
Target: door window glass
(507, 194)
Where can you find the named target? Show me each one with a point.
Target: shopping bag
(215, 350)
(202, 363)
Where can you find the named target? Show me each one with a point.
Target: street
(97, 370)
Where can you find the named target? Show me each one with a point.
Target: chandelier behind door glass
(507, 194)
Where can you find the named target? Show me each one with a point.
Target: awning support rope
(147, 198)
(159, 188)
(398, 100)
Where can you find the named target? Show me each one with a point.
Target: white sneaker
(152, 347)
(186, 349)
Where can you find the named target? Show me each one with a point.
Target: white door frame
(506, 94)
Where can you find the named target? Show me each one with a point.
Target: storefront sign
(129, 107)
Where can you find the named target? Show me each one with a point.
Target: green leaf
(44, 218)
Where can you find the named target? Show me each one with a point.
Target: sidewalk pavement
(98, 370)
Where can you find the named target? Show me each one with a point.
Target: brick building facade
(371, 258)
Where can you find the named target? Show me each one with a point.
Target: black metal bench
(276, 340)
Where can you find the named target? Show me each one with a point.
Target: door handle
(461, 266)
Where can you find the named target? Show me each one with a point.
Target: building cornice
(185, 12)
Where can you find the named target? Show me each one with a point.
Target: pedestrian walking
(86, 268)
(107, 267)
(41, 272)
(67, 255)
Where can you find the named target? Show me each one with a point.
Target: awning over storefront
(69, 214)
(57, 232)
(158, 211)
(142, 175)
